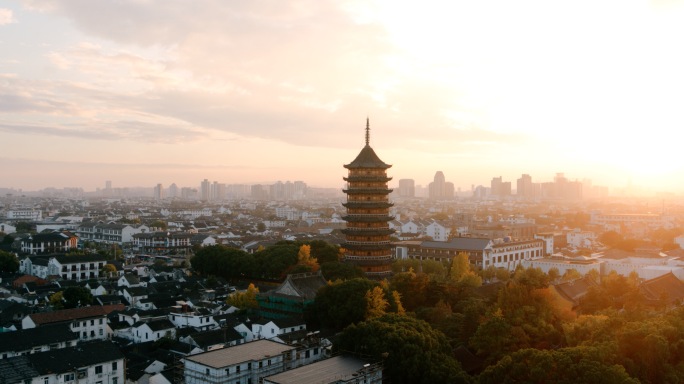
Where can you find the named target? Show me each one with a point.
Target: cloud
(6, 16)
(303, 72)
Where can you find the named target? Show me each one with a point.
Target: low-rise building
(335, 370)
(96, 362)
(51, 242)
(89, 322)
(245, 363)
(35, 340)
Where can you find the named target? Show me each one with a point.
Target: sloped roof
(218, 336)
(25, 367)
(574, 290)
(665, 286)
(303, 285)
(73, 314)
(367, 159)
(28, 338)
(458, 243)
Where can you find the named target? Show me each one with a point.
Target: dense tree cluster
(273, 262)
(515, 325)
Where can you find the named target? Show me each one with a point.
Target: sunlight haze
(147, 92)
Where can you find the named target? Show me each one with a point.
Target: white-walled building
(581, 239)
(438, 231)
(109, 233)
(97, 362)
(184, 316)
(89, 322)
(244, 363)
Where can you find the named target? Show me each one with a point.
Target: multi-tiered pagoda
(368, 233)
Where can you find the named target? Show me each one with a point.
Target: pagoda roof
(367, 159)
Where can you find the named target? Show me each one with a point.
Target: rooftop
(252, 351)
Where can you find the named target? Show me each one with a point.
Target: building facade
(367, 231)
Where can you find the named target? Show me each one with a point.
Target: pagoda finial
(367, 131)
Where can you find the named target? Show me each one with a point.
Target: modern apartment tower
(367, 232)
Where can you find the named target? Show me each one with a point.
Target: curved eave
(367, 159)
(362, 205)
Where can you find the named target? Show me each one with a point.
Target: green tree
(162, 225)
(108, 270)
(610, 238)
(341, 303)
(8, 262)
(410, 349)
(77, 297)
(57, 300)
(554, 274)
(571, 275)
(564, 366)
(335, 270)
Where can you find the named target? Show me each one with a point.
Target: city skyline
(251, 93)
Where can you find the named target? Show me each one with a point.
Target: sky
(142, 92)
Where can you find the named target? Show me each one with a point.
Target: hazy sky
(142, 92)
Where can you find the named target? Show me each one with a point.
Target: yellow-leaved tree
(304, 258)
(244, 299)
(461, 273)
(376, 304)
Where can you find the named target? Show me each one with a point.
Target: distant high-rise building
(525, 188)
(367, 232)
(259, 192)
(158, 192)
(205, 190)
(440, 189)
(173, 190)
(407, 188)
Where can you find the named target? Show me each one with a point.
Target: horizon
(245, 92)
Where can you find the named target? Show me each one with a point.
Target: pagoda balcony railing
(368, 260)
(365, 247)
(379, 274)
(368, 178)
(366, 204)
(368, 190)
(383, 242)
(367, 217)
(367, 231)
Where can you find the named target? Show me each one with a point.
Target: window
(115, 366)
(92, 322)
(82, 373)
(206, 372)
(101, 332)
(46, 380)
(249, 366)
(98, 369)
(269, 361)
(69, 377)
(115, 380)
(261, 364)
(237, 369)
(100, 321)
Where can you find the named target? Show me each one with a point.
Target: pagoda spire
(367, 131)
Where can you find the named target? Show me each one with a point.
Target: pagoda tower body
(367, 232)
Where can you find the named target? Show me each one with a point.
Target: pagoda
(367, 243)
